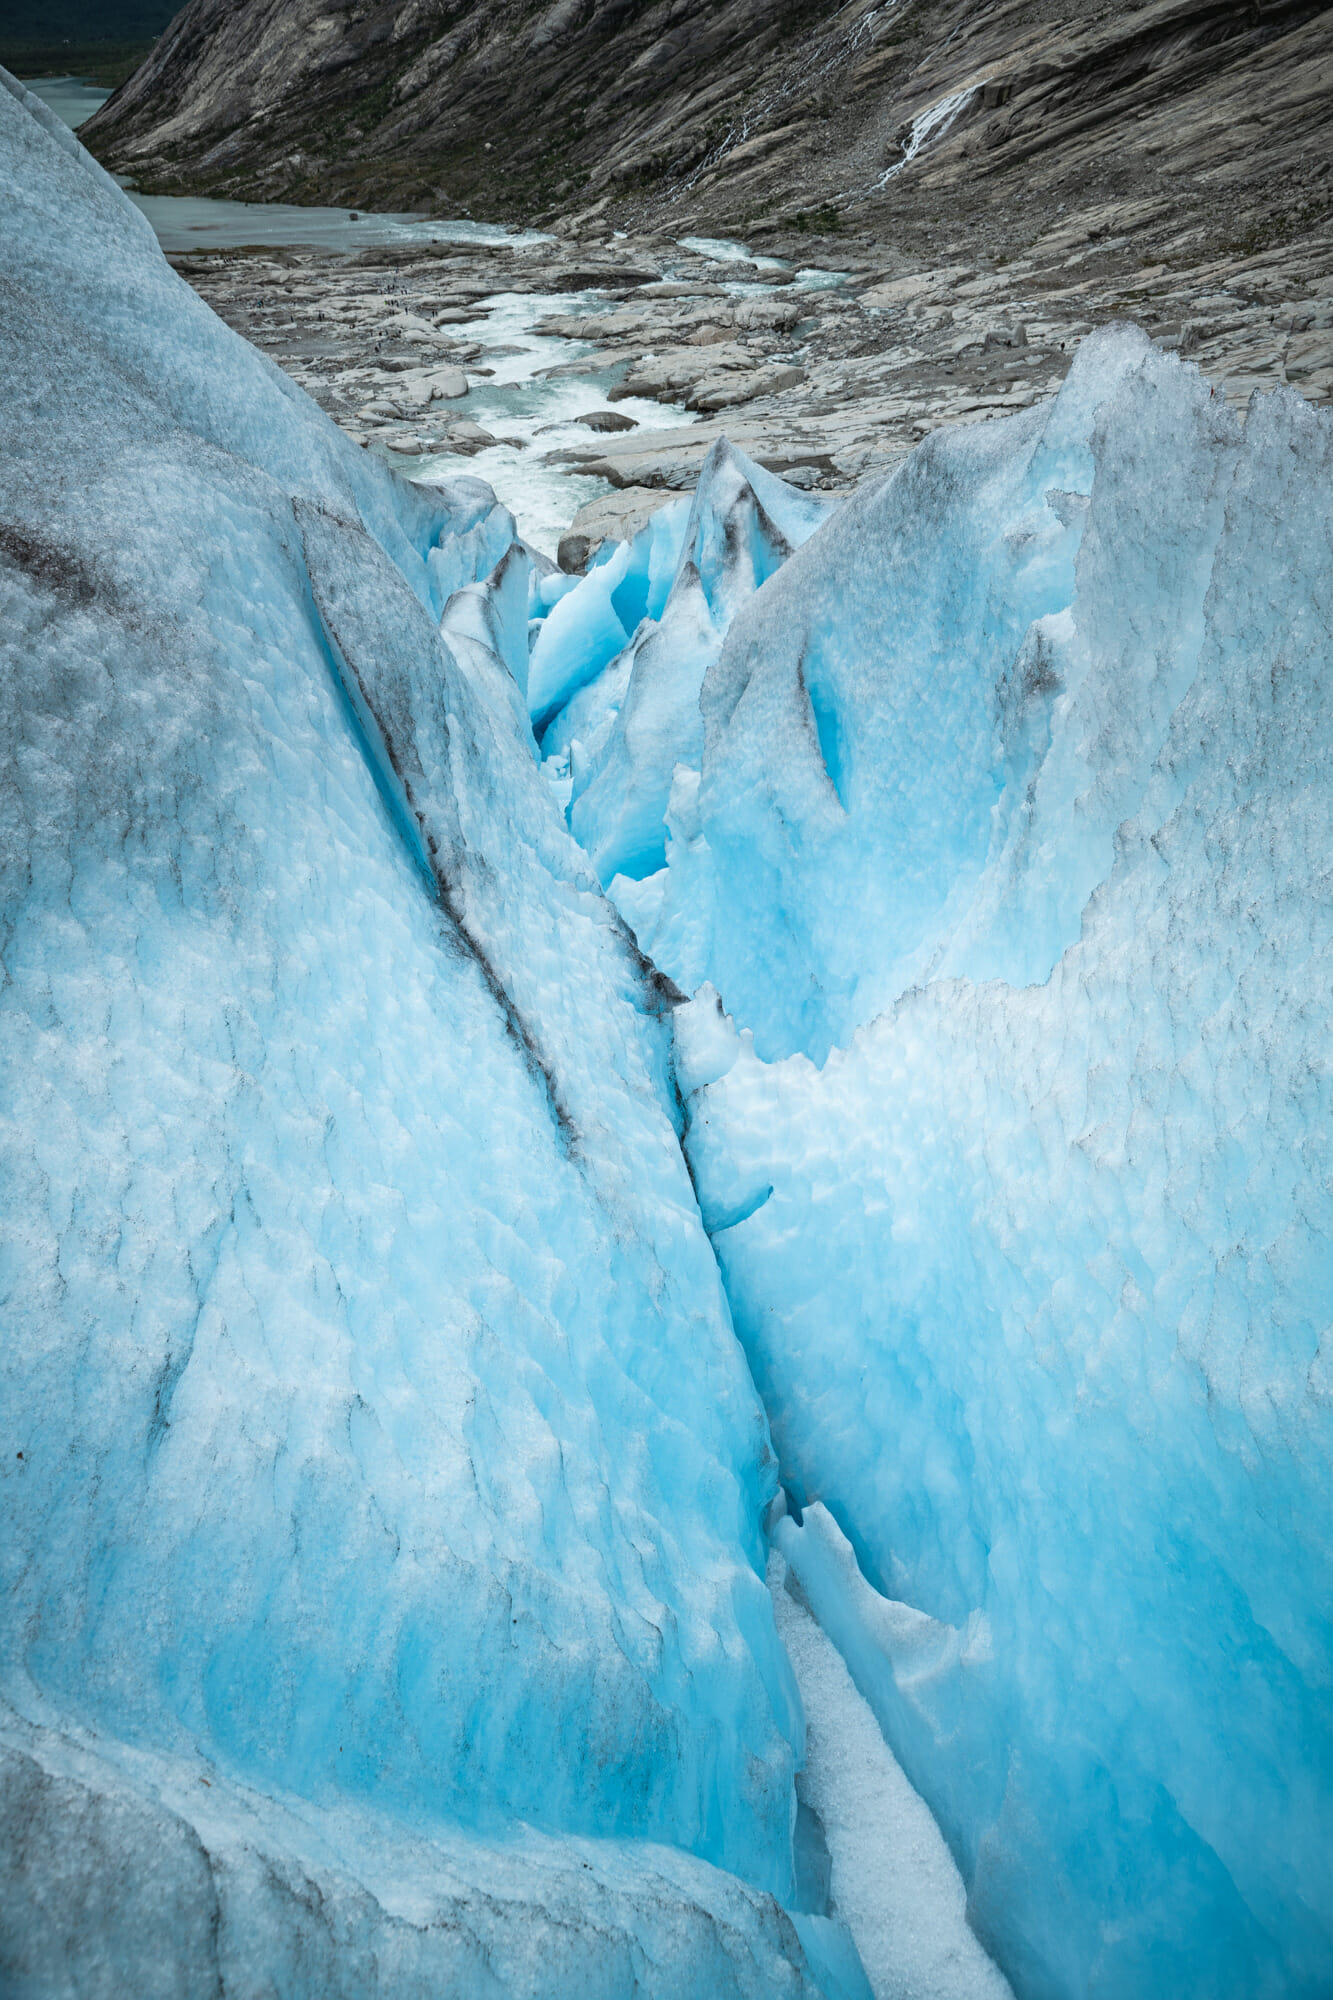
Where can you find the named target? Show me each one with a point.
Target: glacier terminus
(667, 1270)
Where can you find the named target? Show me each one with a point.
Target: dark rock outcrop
(1202, 116)
(508, 107)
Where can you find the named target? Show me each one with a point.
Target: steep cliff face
(509, 105)
(745, 111)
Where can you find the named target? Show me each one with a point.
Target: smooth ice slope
(375, 1430)
(1035, 1272)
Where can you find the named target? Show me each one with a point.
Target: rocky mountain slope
(926, 120)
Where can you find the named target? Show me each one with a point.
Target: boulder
(448, 385)
(612, 517)
(722, 392)
(606, 420)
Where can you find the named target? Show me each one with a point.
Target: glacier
(601, 1169)
(618, 659)
(889, 1873)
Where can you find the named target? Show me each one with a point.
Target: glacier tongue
(1009, 1108)
(380, 1452)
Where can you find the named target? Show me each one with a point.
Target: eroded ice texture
(1016, 785)
(152, 1875)
(912, 751)
(374, 1429)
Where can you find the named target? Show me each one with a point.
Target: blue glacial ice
(383, 1481)
(883, 1860)
(1003, 886)
(618, 662)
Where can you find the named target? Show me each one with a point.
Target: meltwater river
(534, 416)
(186, 222)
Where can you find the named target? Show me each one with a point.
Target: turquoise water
(190, 222)
(70, 99)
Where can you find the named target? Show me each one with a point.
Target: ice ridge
(995, 854)
(380, 1531)
(624, 655)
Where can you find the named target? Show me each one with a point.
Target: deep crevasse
(890, 1876)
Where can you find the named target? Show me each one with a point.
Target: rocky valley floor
(826, 360)
(995, 182)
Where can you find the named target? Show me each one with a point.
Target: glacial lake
(191, 222)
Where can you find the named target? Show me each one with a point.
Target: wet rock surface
(824, 373)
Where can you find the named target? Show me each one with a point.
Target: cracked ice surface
(1008, 857)
(375, 1432)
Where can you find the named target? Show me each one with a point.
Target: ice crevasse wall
(999, 868)
(383, 1481)
(388, 1514)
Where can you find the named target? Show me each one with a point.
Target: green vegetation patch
(106, 64)
(101, 41)
(84, 23)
